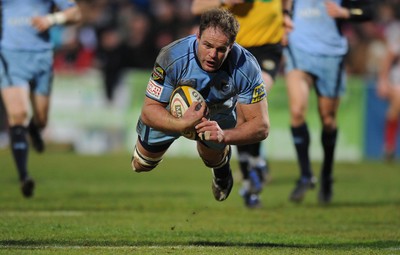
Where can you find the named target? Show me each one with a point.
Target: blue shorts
(328, 71)
(27, 68)
(156, 141)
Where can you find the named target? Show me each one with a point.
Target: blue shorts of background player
(23, 68)
(328, 71)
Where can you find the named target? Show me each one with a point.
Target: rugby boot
(27, 187)
(36, 137)
(325, 193)
(302, 186)
(221, 187)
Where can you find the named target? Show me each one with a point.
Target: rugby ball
(181, 99)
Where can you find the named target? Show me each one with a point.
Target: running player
(26, 72)
(315, 58)
(389, 80)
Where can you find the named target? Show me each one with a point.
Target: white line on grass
(83, 247)
(63, 213)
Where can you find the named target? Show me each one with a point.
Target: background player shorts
(21, 68)
(328, 71)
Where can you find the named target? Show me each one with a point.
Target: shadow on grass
(349, 204)
(89, 243)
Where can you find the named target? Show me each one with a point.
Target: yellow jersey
(261, 22)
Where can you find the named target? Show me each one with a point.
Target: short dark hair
(222, 19)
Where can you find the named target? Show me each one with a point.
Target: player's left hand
(40, 23)
(288, 25)
(383, 88)
(336, 11)
(209, 130)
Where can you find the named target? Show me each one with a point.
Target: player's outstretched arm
(155, 115)
(200, 6)
(68, 16)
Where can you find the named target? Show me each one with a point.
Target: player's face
(213, 49)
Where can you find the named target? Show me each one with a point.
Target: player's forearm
(386, 64)
(359, 10)
(287, 6)
(199, 6)
(248, 132)
(73, 14)
(157, 117)
(68, 16)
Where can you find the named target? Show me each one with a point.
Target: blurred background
(103, 64)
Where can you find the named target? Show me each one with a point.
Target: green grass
(97, 205)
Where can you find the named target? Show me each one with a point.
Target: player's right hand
(194, 114)
(40, 23)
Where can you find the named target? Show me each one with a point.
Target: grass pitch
(97, 205)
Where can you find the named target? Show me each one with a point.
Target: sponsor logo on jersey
(158, 74)
(154, 90)
(258, 93)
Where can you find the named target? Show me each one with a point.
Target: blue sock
(19, 148)
(225, 170)
(222, 172)
(301, 139)
(328, 140)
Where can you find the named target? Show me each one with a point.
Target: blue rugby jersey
(238, 80)
(17, 32)
(315, 31)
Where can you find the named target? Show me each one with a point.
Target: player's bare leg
(40, 106)
(392, 123)
(298, 87)
(144, 160)
(328, 108)
(16, 101)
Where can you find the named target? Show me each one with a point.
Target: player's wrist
(57, 18)
(287, 12)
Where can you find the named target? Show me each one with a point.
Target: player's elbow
(146, 119)
(263, 130)
(195, 10)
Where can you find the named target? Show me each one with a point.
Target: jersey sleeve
(64, 4)
(162, 79)
(252, 88)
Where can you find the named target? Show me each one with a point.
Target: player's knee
(328, 124)
(18, 118)
(141, 163)
(42, 123)
(297, 117)
(224, 159)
